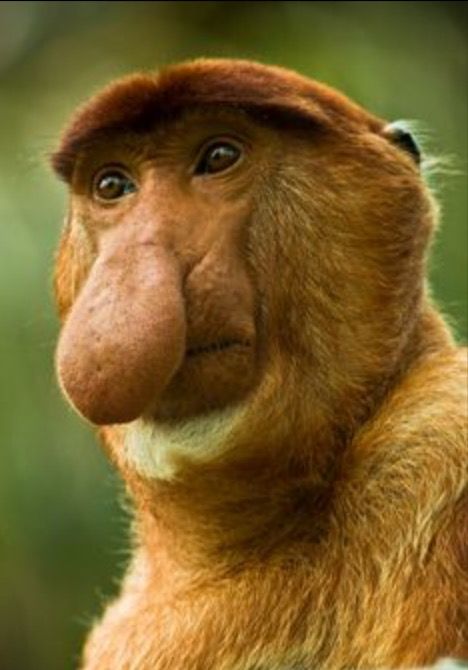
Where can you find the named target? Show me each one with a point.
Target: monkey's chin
(209, 379)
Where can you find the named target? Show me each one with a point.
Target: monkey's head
(236, 232)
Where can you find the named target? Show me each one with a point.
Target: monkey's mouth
(217, 347)
(214, 373)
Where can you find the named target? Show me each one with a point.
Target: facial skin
(169, 284)
(241, 284)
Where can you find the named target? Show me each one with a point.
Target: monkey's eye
(218, 157)
(112, 184)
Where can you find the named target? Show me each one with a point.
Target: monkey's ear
(399, 134)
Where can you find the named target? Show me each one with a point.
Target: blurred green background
(62, 532)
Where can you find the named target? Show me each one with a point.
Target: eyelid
(218, 139)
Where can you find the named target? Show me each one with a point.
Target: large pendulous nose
(124, 337)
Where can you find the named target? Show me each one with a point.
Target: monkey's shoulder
(429, 406)
(415, 449)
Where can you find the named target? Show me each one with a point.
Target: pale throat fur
(155, 450)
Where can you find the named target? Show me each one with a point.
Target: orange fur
(300, 501)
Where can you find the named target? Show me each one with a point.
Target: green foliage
(61, 530)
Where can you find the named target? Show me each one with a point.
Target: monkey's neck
(232, 516)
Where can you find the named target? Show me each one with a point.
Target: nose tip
(124, 338)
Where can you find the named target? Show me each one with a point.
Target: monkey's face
(264, 241)
(162, 321)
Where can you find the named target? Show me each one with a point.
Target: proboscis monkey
(241, 281)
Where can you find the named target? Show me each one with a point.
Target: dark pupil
(219, 158)
(114, 185)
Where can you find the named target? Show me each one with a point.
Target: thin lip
(216, 347)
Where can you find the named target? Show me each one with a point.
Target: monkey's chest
(275, 619)
(239, 627)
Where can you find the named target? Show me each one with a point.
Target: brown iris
(112, 184)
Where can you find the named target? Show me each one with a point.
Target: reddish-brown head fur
(264, 337)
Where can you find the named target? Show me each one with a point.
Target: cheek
(219, 290)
